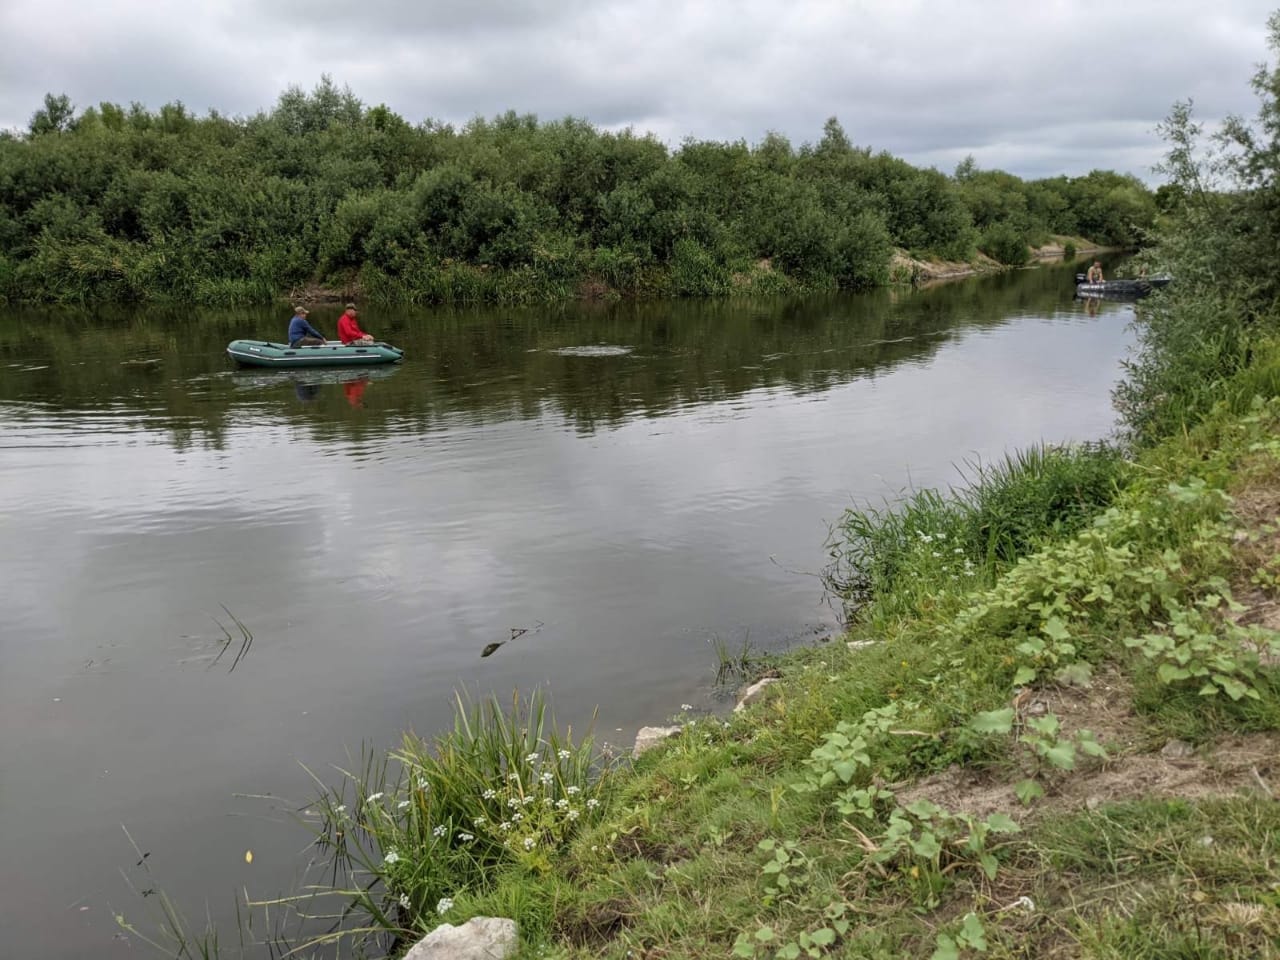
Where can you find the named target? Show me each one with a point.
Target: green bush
(1004, 244)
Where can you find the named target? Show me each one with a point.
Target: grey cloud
(1036, 89)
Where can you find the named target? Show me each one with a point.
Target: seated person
(301, 333)
(1095, 272)
(349, 327)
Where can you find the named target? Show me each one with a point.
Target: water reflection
(596, 365)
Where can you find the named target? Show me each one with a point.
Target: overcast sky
(1035, 88)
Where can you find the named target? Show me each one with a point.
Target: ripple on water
(597, 350)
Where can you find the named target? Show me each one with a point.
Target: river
(631, 484)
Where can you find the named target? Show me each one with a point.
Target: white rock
(753, 693)
(1177, 750)
(480, 938)
(650, 737)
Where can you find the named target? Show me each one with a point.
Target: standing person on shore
(302, 333)
(349, 327)
(1095, 272)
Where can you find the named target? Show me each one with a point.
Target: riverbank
(903, 268)
(1073, 754)
(1063, 744)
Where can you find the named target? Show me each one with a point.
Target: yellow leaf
(248, 856)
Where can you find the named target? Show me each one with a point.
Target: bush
(1004, 244)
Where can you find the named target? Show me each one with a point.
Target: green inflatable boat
(281, 356)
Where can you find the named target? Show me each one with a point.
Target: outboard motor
(1081, 278)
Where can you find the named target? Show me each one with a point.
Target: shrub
(1004, 244)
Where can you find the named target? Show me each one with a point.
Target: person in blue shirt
(301, 333)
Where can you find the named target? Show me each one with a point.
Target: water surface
(628, 482)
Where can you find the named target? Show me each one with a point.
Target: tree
(54, 117)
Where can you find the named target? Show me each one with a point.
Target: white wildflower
(340, 808)
(564, 754)
(592, 803)
(561, 803)
(531, 758)
(573, 790)
(489, 794)
(513, 802)
(528, 800)
(517, 817)
(547, 776)
(479, 822)
(391, 857)
(444, 906)
(572, 814)
(505, 825)
(466, 837)
(374, 797)
(439, 830)
(686, 706)
(530, 843)
(403, 804)
(422, 783)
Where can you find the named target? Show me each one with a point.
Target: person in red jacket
(349, 327)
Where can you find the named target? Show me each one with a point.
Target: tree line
(129, 204)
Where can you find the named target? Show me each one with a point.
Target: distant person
(301, 333)
(1095, 272)
(349, 331)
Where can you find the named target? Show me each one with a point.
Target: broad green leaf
(1024, 676)
(1062, 756)
(1028, 790)
(1091, 746)
(765, 934)
(924, 809)
(927, 846)
(788, 951)
(1002, 823)
(1168, 673)
(823, 937)
(1076, 674)
(974, 933)
(989, 865)
(845, 769)
(947, 949)
(993, 721)
(1055, 629)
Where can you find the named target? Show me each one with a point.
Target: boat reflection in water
(308, 382)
